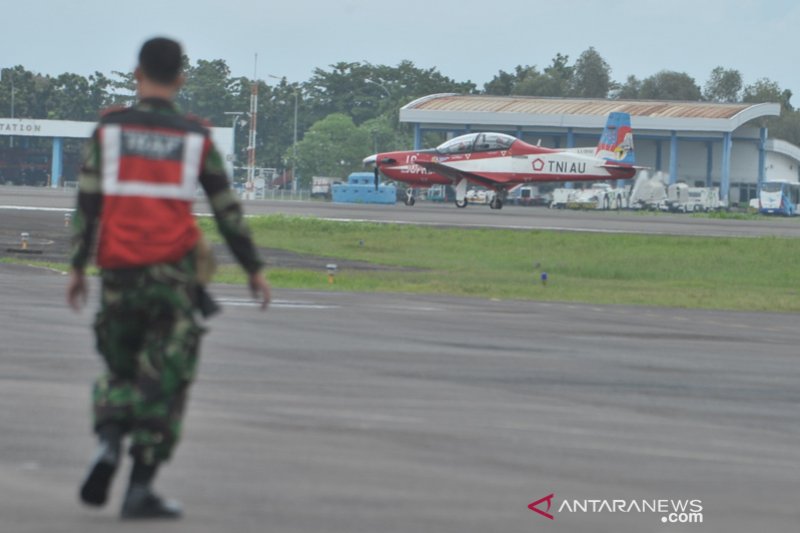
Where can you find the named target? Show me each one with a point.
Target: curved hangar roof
(521, 111)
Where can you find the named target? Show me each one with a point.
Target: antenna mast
(251, 147)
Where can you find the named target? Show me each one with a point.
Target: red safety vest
(149, 179)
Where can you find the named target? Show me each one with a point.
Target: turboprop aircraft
(500, 162)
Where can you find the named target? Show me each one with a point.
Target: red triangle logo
(546, 514)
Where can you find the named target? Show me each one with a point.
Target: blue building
(360, 189)
(23, 129)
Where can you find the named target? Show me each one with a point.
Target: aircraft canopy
(476, 142)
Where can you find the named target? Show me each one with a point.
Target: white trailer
(704, 199)
(321, 186)
(562, 196)
(684, 199)
(600, 196)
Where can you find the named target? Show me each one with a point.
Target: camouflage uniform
(146, 330)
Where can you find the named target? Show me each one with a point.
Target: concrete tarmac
(369, 412)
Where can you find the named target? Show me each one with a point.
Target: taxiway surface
(473, 216)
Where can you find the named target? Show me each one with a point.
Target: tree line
(350, 109)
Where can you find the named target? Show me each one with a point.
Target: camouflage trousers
(148, 336)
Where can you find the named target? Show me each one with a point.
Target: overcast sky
(463, 39)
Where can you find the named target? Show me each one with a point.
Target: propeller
(373, 160)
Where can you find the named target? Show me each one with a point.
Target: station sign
(27, 127)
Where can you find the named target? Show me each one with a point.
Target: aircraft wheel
(494, 203)
(410, 201)
(462, 204)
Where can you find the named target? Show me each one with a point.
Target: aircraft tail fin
(616, 143)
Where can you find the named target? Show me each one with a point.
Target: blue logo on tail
(616, 143)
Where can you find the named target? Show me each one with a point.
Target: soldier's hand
(77, 290)
(259, 287)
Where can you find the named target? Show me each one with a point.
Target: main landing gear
(496, 202)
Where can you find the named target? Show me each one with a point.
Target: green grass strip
(693, 272)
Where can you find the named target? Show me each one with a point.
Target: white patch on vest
(111, 151)
(152, 145)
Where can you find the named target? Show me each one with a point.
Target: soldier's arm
(228, 211)
(88, 206)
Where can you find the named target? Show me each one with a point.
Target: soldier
(137, 184)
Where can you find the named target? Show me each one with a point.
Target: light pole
(294, 136)
(294, 144)
(11, 75)
(235, 121)
(251, 142)
(382, 86)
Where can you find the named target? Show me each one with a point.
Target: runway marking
(284, 304)
(410, 308)
(30, 466)
(26, 208)
(31, 242)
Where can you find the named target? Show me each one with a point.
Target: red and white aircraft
(501, 162)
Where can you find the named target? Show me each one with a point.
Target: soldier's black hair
(161, 59)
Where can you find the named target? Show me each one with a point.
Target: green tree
(74, 97)
(553, 81)
(31, 93)
(122, 88)
(343, 89)
(670, 85)
(334, 147)
(384, 136)
(786, 127)
(503, 82)
(364, 91)
(591, 76)
(99, 94)
(208, 91)
(765, 90)
(723, 85)
(278, 135)
(629, 90)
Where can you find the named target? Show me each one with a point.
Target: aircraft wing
(456, 175)
(609, 164)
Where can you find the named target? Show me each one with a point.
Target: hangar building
(703, 144)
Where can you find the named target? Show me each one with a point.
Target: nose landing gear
(409, 201)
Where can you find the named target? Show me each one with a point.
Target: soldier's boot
(140, 500)
(142, 503)
(94, 489)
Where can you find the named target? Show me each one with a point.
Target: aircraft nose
(370, 160)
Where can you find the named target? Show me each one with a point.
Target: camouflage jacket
(224, 204)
